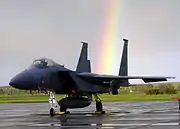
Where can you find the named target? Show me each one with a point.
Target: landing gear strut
(62, 109)
(53, 103)
(99, 106)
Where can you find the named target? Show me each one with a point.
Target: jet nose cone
(24, 81)
(16, 82)
(12, 83)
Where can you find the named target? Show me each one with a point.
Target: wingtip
(171, 77)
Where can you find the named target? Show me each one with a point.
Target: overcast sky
(55, 28)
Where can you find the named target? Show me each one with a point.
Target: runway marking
(106, 125)
(150, 118)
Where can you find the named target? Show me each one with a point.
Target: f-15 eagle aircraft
(79, 86)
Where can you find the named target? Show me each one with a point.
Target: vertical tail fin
(83, 62)
(123, 70)
(88, 66)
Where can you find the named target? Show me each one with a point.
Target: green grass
(138, 97)
(21, 96)
(25, 98)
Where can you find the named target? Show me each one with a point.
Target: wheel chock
(62, 113)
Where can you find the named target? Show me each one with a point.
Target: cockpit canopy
(43, 63)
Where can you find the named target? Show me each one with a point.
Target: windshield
(43, 63)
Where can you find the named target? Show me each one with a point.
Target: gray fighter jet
(79, 86)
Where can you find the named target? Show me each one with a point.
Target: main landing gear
(99, 106)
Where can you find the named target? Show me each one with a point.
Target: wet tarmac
(124, 115)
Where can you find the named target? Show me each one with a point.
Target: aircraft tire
(99, 107)
(52, 112)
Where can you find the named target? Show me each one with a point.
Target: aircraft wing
(109, 78)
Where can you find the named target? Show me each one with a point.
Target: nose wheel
(52, 112)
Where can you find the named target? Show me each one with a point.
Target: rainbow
(109, 39)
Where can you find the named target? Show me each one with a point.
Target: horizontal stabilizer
(147, 80)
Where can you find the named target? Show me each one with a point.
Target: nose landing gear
(53, 103)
